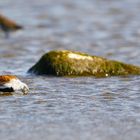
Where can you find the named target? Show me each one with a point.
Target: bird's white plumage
(16, 84)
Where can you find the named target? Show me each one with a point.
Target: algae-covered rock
(69, 63)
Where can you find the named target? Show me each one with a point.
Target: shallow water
(84, 108)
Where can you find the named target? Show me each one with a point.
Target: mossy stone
(69, 63)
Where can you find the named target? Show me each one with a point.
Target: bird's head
(24, 88)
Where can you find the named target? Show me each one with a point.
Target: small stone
(8, 25)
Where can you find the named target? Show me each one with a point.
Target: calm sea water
(84, 108)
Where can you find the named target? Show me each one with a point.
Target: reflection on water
(71, 108)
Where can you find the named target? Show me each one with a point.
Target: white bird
(10, 83)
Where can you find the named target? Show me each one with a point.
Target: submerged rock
(69, 63)
(8, 25)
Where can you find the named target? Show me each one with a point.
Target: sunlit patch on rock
(79, 57)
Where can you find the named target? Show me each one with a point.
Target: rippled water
(84, 108)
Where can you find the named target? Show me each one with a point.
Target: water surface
(84, 108)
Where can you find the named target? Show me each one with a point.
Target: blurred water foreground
(83, 108)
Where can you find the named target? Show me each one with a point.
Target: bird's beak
(25, 90)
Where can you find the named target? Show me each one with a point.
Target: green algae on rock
(69, 63)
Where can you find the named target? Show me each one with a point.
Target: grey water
(82, 108)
